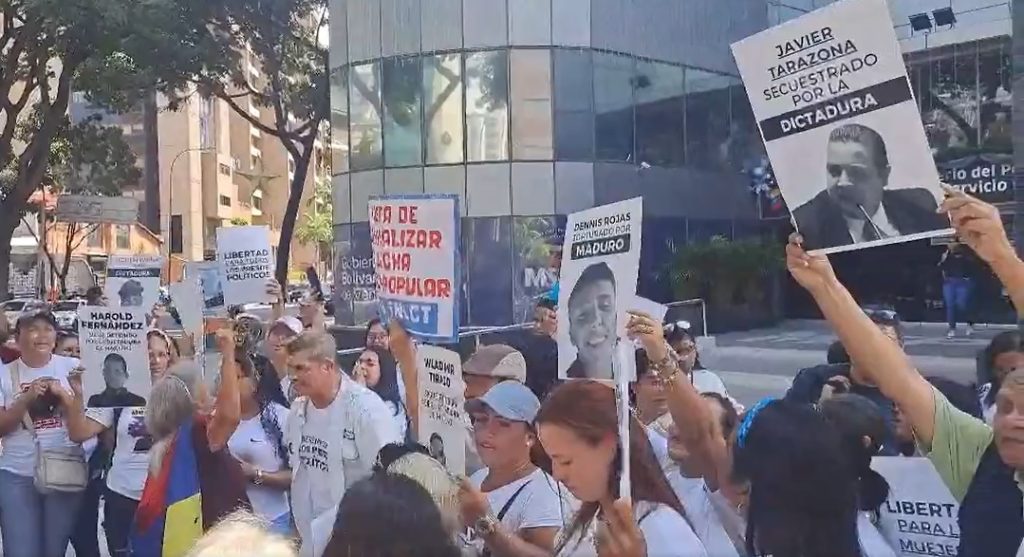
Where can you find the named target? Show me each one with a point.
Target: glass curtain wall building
(532, 109)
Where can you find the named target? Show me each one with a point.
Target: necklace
(516, 474)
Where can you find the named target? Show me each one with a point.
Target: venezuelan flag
(169, 519)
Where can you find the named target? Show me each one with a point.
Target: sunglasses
(856, 173)
(678, 325)
(886, 314)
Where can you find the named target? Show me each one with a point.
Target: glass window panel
(402, 137)
(659, 114)
(707, 118)
(339, 121)
(442, 108)
(487, 241)
(995, 75)
(364, 111)
(574, 105)
(531, 104)
(744, 149)
(534, 269)
(613, 104)
(487, 106)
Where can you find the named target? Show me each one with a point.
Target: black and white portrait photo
(592, 323)
(115, 380)
(597, 287)
(131, 293)
(856, 205)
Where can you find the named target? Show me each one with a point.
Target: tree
(284, 37)
(85, 159)
(115, 52)
(318, 227)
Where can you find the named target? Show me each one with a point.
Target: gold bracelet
(665, 369)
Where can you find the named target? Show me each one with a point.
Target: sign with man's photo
(114, 354)
(133, 281)
(841, 127)
(442, 425)
(600, 267)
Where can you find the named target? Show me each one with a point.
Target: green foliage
(316, 229)
(239, 221)
(725, 272)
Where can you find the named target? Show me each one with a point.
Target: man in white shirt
(335, 429)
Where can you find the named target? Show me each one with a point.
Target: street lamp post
(170, 192)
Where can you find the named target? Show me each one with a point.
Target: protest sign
(600, 265)
(134, 281)
(98, 209)
(248, 262)
(187, 300)
(920, 515)
(211, 281)
(442, 427)
(114, 354)
(841, 127)
(415, 240)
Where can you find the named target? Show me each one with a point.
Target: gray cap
(497, 360)
(509, 400)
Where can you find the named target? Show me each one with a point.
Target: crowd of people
(284, 453)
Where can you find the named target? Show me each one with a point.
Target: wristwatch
(486, 525)
(258, 480)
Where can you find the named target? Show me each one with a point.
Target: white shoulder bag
(57, 470)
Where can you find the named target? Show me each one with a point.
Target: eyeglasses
(887, 314)
(678, 325)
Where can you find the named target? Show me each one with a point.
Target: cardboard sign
(246, 256)
(415, 240)
(114, 353)
(187, 299)
(211, 282)
(920, 515)
(841, 127)
(600, 266)
(442, 425)
(133, 281)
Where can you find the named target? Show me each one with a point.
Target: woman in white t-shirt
(510, 507)
(377, 370)
(649, 403)
(578, 428)
(258, 445)
(33, 523)
(125, 437)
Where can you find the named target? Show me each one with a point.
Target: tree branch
(282, 134)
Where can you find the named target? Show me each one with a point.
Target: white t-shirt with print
(18, 449)
(130, 464)
(666, 534)
(538, 505)
(251, 443)
(330, 449)
(696, 499)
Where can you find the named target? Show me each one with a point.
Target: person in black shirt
(539, 349)
(957, 269)
(809, 383)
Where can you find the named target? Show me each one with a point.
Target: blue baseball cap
(510, 400)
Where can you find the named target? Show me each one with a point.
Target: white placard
(187, 298)
(416, 243)
(442, 425)
(133, 281)
(842, 129)
(211, 282)
(650, 307)
(600, 266)
(248, 261)
(920, 515)
(114, 352)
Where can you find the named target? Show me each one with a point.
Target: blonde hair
(318, 344)
(241, 534)
(433, 476)
(172, 402)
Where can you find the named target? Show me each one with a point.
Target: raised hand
(978, 225)
(813, 272)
